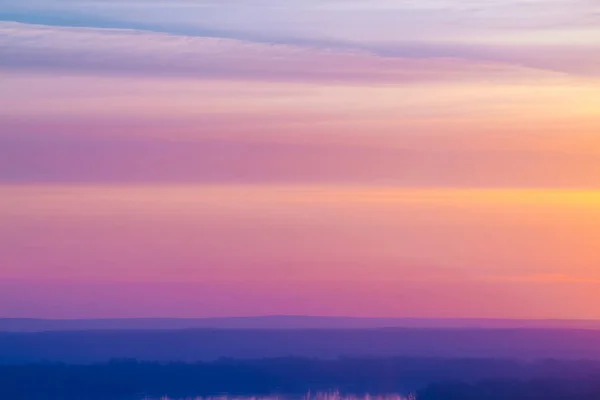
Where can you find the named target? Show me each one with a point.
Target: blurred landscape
(289, 357)
(191, 340)
(282, 378)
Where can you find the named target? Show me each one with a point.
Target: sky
(385, 158)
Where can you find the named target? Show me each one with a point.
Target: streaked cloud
(556, 35)
(206, 161)
(449, 249)
(132, 52)
(438, 156)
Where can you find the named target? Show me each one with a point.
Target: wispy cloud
(558, 35)
(138, 52)
(205, 161)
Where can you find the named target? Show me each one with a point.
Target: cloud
(134, 52)
(431, 17)
(53, 298)
(554, 35)
(546, 279)
(320, 21)
(202, 161)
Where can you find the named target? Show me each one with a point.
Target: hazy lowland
(301, 378)
(192, 345)
(298, 358)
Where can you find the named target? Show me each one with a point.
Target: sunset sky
(397, 158)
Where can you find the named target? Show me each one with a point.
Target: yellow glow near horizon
(23, 196)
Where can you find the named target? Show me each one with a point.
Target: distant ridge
(282, 322)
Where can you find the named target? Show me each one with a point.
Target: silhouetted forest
(192, 345)
(539, 389)
(473, 378)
